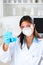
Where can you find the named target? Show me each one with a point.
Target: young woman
(28, 49)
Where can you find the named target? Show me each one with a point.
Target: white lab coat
(31, 56)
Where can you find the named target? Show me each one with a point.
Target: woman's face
(27, 28)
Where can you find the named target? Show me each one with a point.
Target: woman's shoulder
(40, 42)
(41, 39)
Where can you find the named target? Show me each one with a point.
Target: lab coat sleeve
(42, 49)
(4, 55)
(41, 62)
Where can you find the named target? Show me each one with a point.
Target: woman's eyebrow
(25, 26)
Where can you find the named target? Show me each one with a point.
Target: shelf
(32, 9)
(25, 3)
(22, 1)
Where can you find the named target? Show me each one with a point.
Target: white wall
(1, 8)
(10, 24)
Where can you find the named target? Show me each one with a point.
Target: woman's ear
(34, 25)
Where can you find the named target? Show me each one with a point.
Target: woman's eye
(22, 26)
(28, 25)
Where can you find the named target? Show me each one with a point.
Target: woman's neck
(29, 40)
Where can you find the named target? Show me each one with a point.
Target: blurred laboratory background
(12, 10)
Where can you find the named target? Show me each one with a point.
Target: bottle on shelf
(24, 1)
(4, 1)
(36, 1)
(39, 1)
(19, 1)
(33, 1)
(28, 1)
(12, 1)
(16, 1)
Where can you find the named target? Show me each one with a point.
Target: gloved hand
(13, 39)
(8, 38)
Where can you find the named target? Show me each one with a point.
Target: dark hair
(28, 19)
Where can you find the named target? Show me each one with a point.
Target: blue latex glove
(8, 35)
(8, 38)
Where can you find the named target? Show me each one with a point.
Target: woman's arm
(6, 49)
(4, 53)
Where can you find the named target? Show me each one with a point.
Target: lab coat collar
(35, 40)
